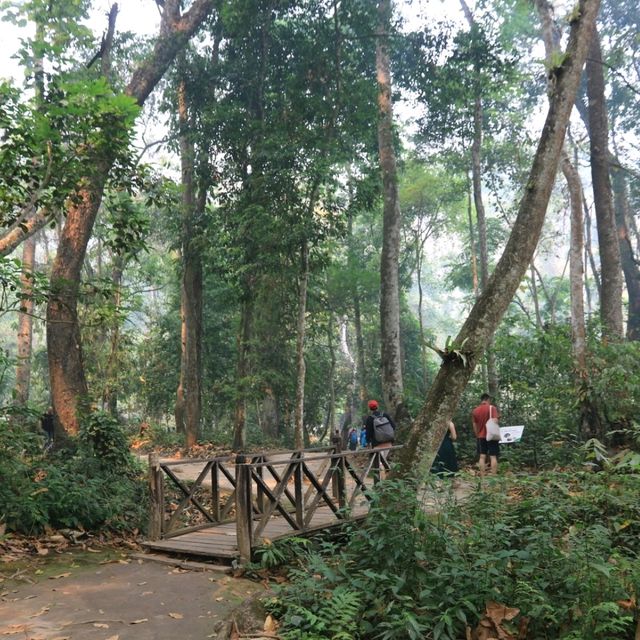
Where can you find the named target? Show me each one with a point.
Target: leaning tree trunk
(66, 368)
(610, 266)
(459, 362)
(392, 386)
(25, 324)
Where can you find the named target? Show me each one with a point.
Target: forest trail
(117, 599)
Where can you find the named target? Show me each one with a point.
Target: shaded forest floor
(112, 595)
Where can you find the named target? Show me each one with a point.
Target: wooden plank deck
(220, 542)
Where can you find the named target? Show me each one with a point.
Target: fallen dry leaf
(100, 625)
(499, 612)
(176, 616)
(270, 625)
(628, 604)
(13, 629)
(139, 621)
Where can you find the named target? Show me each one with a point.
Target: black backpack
(382, 430)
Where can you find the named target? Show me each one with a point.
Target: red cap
(373, 405)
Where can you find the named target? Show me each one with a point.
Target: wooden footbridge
(226, 507)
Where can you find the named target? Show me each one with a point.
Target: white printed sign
(511, 434)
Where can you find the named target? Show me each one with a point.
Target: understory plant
(562, 549)
(93, 483)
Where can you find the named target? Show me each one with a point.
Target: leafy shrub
(103, 439)
(562, 548)
(94, 483)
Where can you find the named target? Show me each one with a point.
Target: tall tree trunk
(357, 316)
(610, 266)
(576, 266)
(589, 259)
(431, 424)
(392, 385)
(66, 368)
(420, 242)
(303, 282)
(64, 348)
(536, 298)
(110, 395)
(331, 411)
(270, 414)
(179, 409)
(191, 285)
(476, 179)
(243, 368)
(590, 423)
(472, 246)
(629, 263)
(360, 355)
(25, 323)
(551, 38)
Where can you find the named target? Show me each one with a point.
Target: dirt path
(79, 598)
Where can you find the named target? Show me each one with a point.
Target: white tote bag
(493, 428)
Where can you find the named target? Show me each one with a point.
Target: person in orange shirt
(479, 417)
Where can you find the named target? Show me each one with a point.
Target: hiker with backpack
(379, 427)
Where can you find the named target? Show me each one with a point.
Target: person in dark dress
(46, 422)
(446, 460)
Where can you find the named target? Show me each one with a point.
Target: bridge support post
(244, 528)
(156, 497)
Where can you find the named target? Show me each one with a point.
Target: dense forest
(241, 228)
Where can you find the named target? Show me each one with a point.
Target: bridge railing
(179, 505)
(303, 485)
(305, 489)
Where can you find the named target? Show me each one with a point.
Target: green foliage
(11, 287)
(274, 554)
(539, 388)
(92, 484)
(562, 548)
(101, 437)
